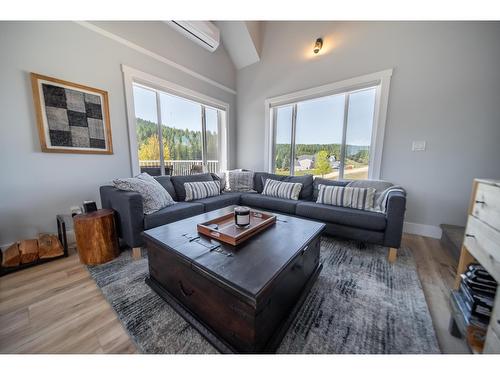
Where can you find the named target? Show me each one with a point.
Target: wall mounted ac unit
(204, 33)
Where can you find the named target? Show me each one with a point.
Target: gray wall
(445, 90)
(35, 186)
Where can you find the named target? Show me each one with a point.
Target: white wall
(445, 90)
(35, 186)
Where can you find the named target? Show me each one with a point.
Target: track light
(318, 45)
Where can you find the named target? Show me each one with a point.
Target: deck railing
(177, 167)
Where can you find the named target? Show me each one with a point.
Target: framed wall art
(71, 118)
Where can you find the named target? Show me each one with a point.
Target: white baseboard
(422, 229)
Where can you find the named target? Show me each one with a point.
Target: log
(28, 250)
(11, 256)
(49, 246)
(96, 238)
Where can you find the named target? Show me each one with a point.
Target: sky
(319, 121)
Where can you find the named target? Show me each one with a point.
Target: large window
(175, 135)
(328, 136)
(334, 131)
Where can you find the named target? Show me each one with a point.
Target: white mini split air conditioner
(204, 33)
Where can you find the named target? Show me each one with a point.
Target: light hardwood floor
(57, 308)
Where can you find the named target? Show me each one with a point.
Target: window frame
(133, 77)
(379, 80)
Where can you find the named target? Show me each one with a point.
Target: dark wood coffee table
(241, 298)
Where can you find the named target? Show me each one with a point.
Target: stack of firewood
(29, 251)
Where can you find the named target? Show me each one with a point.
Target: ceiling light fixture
(318, 45)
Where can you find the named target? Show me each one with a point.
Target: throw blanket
(381, 202)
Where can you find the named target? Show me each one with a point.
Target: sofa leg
(393, 252)
(136, 253)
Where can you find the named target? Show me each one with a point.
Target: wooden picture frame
(71, 118)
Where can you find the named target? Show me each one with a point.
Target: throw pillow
(306, 181)
(179, 181)
(239, 180)
(324, 181)
(280, 189)
(154, 196)
(221, 177)
(378, 185)
(351, 197)
(201, 189)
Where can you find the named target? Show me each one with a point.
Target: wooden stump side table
(96, 239)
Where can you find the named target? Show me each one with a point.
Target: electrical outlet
(418, 146)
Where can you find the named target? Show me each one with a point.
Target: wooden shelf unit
(482, 245)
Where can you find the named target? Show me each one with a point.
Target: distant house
(333, 162)
(304, 162)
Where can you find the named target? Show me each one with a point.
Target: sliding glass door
(359, 134)
(188, 140)
(283, 140)
(329, 136)
(148, 132)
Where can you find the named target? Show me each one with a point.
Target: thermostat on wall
(418, 146)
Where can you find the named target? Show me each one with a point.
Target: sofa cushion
(258, 184)
(178, 182)
(269, 203)
(381, 187)
(323, 181)
(221, 177)
(178, 211)
(378, 185)
(219, 201)
(341, 215)
(166, 182)
(306, 181)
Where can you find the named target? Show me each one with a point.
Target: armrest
(129, 213)
(395, 214)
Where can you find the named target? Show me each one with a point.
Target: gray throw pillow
(239, 180)
(154, 196)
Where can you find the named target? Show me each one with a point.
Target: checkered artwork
(73, 118)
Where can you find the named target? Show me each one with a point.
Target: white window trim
(132, 75)
(381, 80)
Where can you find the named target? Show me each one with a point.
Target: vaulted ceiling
(242, 41)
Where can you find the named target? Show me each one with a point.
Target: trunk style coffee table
(241, 298)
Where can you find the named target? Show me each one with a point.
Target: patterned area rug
(359, 304)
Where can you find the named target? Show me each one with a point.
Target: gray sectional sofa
(367, 226)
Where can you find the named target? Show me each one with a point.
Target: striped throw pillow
(280, 189)
(351, 197)
(201, 189)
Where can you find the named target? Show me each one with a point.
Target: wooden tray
(225, 230)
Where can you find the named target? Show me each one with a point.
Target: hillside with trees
(178, 144)
(355, 155)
